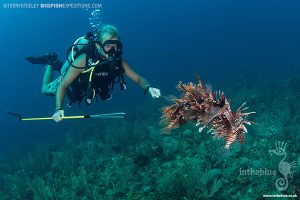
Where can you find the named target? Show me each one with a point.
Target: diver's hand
(154, 92)
(58, 115)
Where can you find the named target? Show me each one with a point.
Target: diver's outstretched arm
(141, 81)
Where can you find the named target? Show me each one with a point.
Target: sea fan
(208, 109)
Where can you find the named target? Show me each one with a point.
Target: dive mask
(113, 48)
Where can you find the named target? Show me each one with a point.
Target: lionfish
(207, 109)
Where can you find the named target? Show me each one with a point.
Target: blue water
(165, 41)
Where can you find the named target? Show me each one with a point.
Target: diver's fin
(43, 60)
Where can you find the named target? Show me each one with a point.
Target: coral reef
(131, 159)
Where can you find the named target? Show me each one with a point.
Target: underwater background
(248, 49)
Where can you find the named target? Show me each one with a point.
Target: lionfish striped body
(208, 109)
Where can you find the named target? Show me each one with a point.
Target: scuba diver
(93, 66)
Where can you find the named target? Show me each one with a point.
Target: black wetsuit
(102, 82)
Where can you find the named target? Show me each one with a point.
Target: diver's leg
(48, 75)
(52, 64)
(49, 88)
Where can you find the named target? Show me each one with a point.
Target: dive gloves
(154, 92)
(58, 115)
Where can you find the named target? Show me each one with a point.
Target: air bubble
(96, 20)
